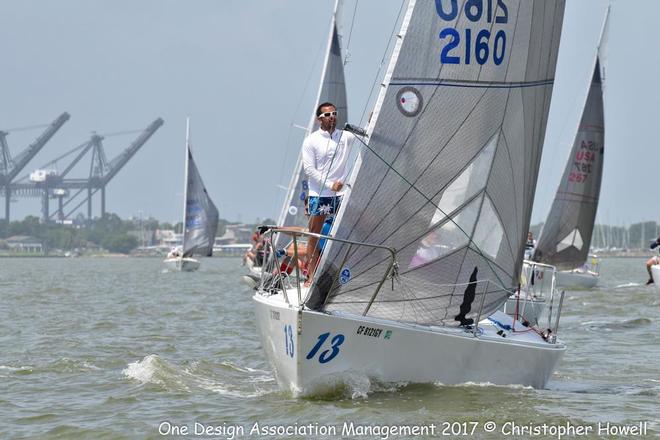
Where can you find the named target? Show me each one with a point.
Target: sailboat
(428, 243)
(566, 235)
(200, 218)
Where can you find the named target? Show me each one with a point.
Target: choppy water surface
(113, 347)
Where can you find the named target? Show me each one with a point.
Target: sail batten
(448, 176)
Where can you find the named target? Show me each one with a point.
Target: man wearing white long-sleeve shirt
(325, 155)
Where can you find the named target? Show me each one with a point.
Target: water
(113, 347)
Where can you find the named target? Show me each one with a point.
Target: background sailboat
(566, 236)
(200, 218)
(444, 187)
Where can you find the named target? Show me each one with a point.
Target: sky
(246, 73)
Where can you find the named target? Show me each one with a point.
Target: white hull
(255, 270)
(577, 279)
(655, 270)
(182, 264)
(389, 351)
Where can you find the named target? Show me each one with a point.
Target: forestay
(331, 89)
(450, 171)
(201, 215)
(567, 232)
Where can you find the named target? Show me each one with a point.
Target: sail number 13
(330, 353)
(478, 45)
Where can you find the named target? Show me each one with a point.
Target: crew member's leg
(651, 262)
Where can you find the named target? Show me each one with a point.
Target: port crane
(11, 167)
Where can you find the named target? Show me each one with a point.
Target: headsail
(331, 89)
(201, 215)
(566, 235)
(450, 171)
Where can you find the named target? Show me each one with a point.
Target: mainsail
(567, 232)
(566, 235)
(331, 89)
(201, 215)
(450, 171)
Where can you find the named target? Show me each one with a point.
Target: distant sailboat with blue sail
(200, 218)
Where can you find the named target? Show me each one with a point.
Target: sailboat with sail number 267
(429, 240)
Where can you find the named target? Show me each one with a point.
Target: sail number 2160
(478, 45)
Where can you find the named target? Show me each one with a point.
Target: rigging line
(565, 122)
(427, 166)
(119, 133)
(350, 33)
(505, 145)
(293, 115)
(412, 186)
(416, 304)
(382, 62)
(54, 161)
(437, 225)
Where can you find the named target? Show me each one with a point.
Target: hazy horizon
(245, 71)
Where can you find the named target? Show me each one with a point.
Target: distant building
(230, 250)
(227, 239)
(167, 238)
(234, 234)
(24, 244)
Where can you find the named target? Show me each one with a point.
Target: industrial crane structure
(48, 183)
(10, 167)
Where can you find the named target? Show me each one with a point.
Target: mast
(328, 47)
(185, 187)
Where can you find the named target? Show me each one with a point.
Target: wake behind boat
(200, 219)
(429, 239)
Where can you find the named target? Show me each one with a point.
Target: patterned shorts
(323, 205)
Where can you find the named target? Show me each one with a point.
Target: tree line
(109, 232)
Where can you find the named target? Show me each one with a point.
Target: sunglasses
(327, 114)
